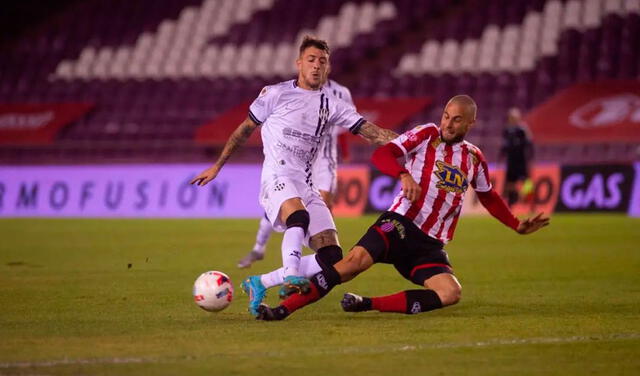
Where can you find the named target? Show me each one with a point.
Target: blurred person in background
(517, 150)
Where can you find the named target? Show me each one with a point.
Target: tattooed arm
(376, 135)
(237, 139)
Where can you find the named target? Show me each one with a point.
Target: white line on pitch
(345, 350)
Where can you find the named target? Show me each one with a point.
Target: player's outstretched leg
(320, 285)
(408, 302)
(355, 303)
(256, 291)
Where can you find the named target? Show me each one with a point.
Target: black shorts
(395, 239)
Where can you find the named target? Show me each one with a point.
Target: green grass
(564, 301)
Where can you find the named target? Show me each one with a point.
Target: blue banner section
(128, 191)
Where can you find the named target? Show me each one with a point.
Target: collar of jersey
(295, 86)
(456, 145)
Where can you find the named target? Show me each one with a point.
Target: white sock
(263, 235)
(308, 267)
(292, 250)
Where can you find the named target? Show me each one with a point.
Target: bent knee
(450, 295)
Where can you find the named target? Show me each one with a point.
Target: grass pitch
(106, 297)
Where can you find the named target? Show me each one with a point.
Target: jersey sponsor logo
(451, 179)
(296, 151)
(416, 308)
(290, 133)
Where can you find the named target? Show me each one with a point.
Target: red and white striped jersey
(444, 173)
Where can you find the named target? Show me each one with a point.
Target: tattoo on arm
(376, 135)
(237, 139)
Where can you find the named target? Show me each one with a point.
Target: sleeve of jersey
(262, 106)
(385, 158)
(346, 116)
(481, 182)
(411, 139)
(496, 206)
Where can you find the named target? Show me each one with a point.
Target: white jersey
(294, 122)
(329, 151)
(326, 165)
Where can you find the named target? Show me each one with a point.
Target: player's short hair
(310, 41)
(466, 101)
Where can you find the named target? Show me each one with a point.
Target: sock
(408, 301)
(292, 250)
(320, 285)
(263, 235)
(308, 267)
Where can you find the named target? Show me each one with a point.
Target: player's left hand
(533, 224)
(206, 176)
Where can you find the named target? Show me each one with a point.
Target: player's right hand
(410, 188)
(205, 176)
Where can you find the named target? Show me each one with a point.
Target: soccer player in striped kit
(294, 116)
(440, 166)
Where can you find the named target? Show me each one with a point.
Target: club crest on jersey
(323, 113)
(388, 225)
(451, 178)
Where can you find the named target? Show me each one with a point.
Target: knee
(329, 255)
(299, 218)
(450, 295)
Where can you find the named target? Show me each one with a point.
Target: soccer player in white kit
(324, 172)
(295, 115)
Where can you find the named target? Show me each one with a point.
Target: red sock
(297, 301)
(390, 303)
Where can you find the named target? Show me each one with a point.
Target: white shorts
(324, 175)
(274, 192)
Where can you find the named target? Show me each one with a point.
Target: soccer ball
(213, 291)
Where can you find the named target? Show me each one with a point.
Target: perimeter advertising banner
(596, 188)
(589, 112)
(128, 191)
(546, 186)
(164, 191)
(634, 205)
(37, 123)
